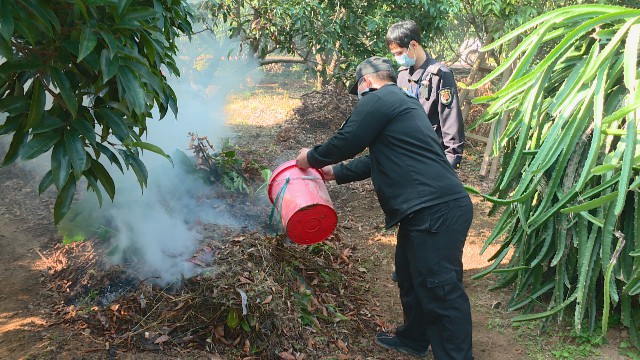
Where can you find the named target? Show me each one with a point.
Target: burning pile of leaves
(257, 297)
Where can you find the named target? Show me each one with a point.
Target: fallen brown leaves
(261, 298)
(328, 108)
(320, 113)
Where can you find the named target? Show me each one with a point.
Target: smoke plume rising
(154, 232)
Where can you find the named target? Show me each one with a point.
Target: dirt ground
(28, 329)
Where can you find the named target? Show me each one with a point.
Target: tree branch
(282, 60)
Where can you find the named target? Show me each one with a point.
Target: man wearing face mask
(418, 190)
(432, 83)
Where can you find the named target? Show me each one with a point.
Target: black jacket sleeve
(354, 170)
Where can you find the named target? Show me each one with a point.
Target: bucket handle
(305, 177)
(277, 202)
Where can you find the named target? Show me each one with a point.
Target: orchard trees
(81, 78)
(331, 37)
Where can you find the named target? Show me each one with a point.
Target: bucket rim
(286, 165)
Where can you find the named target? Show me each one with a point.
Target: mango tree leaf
(10, 125)
(134, 92)
(72, 64)
(153, 148)
(118, 127)
(138, 14)
(67, 92)
(44, 16)
(109, 65)
(64, 200)
(76, 151)
(6, 50)
(60, 164)
(137, 165)
(149, 48)
(36, 109)
(19, 139)
(14, 105)
(88, 41)
(113, 158)
(119, 106)
(15, 66)
(93, 185)
(27, 30)
(48, 123)
(122, 6)
(83, 9)
(104, 178)
(173, 104)
(4, 88)
(46, 182)
(85, 129)
(111, 41)
(146, 75)
(6, 22)
(140, 169)
(39, 144)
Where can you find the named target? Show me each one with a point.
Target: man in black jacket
(418, 189)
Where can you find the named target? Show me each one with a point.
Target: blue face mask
(405, 60)
(360, 94)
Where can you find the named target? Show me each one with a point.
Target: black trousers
(429, 268)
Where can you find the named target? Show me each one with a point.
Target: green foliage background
(330, 36)
(80, 79)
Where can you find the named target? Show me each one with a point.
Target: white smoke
(154, 233)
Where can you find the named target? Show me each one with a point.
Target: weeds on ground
(554, 342)
(627, 349)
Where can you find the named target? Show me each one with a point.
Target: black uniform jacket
(434, 85)
(406, 163)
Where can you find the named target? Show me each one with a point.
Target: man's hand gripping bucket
(303, 203)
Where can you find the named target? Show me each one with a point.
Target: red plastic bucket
(304, 205)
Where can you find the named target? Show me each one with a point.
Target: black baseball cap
(369, 66)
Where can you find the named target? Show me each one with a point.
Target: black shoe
(392, 342)
(394, 276)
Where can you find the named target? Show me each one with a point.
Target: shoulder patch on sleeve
(446, 96)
